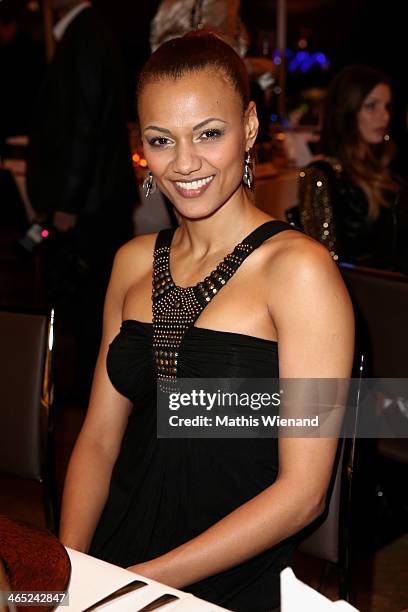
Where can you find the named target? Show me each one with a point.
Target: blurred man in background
(80, 177)
(22, 64)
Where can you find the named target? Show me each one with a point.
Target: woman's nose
(186, 159)
(386, 114)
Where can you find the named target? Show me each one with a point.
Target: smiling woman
(191, 156)
(194, 160)
(230, 293)
(193, 187)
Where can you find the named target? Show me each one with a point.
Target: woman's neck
(221, 230)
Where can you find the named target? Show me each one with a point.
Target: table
(92, 579)
(296, 596)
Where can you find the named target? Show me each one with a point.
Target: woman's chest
(241, 306)
(203, 353)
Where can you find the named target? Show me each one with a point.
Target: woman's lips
(193, 189)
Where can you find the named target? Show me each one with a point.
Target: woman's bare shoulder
(294, 247)
(134, 259)
(298, 263)
(142, 245)
(311, 309)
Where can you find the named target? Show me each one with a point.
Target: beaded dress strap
(175, 309)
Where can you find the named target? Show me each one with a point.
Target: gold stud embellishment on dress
(175, 309)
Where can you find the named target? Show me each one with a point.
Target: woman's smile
(194, 188)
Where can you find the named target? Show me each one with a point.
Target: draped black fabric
(166, 491)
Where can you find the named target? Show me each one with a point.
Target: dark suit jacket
(79, 158)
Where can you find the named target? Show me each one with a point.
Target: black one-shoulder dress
(165, 492)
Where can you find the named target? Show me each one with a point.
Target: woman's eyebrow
(195, 128)
(158, 129)
(203, 123)
(373, 99)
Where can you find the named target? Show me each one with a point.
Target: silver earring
(149, 185)
(248, 176)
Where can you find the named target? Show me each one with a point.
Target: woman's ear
(251, 125)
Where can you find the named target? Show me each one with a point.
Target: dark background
(370, 32)
(349, 31)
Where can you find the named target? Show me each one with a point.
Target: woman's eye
(370, 105)
(210, 134)
(159, 141)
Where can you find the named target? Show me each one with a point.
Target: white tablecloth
(92, 579)
(296, 596)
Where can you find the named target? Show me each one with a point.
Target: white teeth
(195, 184)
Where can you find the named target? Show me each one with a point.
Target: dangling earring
(149, 184)
(248, 176)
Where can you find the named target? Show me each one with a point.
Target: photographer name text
(241, 421)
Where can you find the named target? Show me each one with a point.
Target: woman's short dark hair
(193, 52)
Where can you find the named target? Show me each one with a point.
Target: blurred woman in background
(347, 195)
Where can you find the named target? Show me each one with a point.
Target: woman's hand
(63, 221)
(149, 569)
(160, 570)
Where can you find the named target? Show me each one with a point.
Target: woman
(209, 516)
(346, 197)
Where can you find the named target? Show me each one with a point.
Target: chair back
(25, 391)
(381, 306)
(321, 538)
(380, 301)
(327, 537)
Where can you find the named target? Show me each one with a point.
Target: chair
(26, 413)
(381, 304)
(328, 538)
(380, 300)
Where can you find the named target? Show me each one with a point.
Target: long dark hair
(367, 165)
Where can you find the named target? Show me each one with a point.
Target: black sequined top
(334, 211)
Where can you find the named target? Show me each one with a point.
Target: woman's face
(195, 135)
(374, 115)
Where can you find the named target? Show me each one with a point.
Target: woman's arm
(313, 316)
(97, 447)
